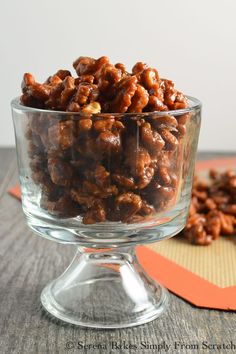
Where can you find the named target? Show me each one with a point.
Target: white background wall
(192, 42)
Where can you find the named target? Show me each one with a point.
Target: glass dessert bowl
(106, 183)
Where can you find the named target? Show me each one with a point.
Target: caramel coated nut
(60, 135)
(84, 125)
(139, 100)
(115, 89)
(152, 140)
(213, 208)
(128, 204)
(125, 90)
(149, 77)
(61, 172)
(99, 164)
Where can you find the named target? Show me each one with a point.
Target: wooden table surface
(29, 262)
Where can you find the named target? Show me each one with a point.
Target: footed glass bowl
(106, 183)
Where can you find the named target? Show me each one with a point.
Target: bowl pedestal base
(105, 289)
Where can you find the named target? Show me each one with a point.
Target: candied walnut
(173, 98)
(28, 80)
(232, 182)
(124, 181)
(138, 161)
(87, 65)
(164, 176)
(38, 166)
(166, 122)
(219, 197)
(201, 195)
(128, 204)
(37, 163)
(84, 78)
(102, 176)
(92, 163)
(109, 142)
(102, 192)
(213, 224)
(163, 159)
(33, 89)
(169, 93)
(229, 174)
(151, 139)
(139, 67)
(139, 100)
(68, 90)
(125, 90)
(228, 208)
(103, 125)
(73, 107)
(215, 202)
(145, 177)
(58, 77)
(194, 206)
(38, 124)
(79, 196)
(63, 74)
(183, 119)
(89, 148)
(39, 177)
(194, 219)
(61, 94)
(227, 223)
(29, 101)
(87, 78)
(97, 213)
(149, 78)
(84, 125)
(84, 65)
(35, 147)
(108, 77)
(210, 204)
(164, 196)
(181, 131)
(53, 80)
(158, 195)
(109, 85)
(82, 94)
(118, 126)
(146, 209)
(61, 172)
(171, 142)
(61, 135)
(213, 174)
(155, 104)
(195, 231)
(137, 158)
(156, 91)
(121, 67)
(51, 191)
(181, 101)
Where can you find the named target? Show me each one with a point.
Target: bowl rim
(194, 104)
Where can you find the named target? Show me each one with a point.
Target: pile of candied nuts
(101, 164)
(213, 208)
